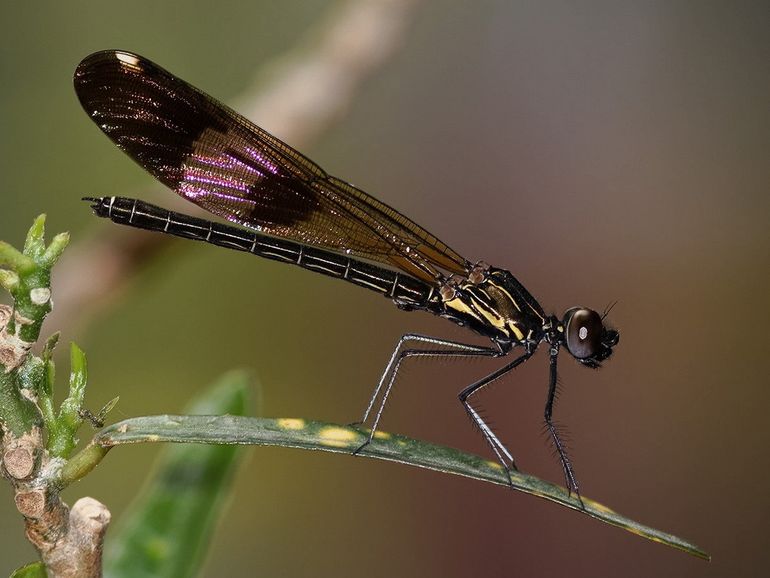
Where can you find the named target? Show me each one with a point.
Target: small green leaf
(62, 430)
(9, 280)
(34, 570)
(47, 357)
(78, 373)
(69, 413)
(34, 245)
(13, 258)
(50, 345)
(300, 433)
(170, 525)
(55, 249)
(108, 407)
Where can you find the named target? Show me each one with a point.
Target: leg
(453, 349)
(569, 474)
(502, 453)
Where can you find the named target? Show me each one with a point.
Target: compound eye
(584, 330)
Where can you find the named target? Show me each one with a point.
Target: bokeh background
(602, 150)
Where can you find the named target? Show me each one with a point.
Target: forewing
(220, 161)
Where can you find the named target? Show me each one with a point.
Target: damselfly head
(586, 337)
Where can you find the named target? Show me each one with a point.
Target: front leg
(569, 473)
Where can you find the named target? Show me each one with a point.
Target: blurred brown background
(611, 150)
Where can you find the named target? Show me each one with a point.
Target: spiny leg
(569, 473)
(502, 453)
(388, 377)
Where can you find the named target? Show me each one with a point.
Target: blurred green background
(600, 151)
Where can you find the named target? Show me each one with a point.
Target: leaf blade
(300, 433)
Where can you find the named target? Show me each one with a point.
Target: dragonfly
(289, 209)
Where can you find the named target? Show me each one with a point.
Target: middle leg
(502, 453)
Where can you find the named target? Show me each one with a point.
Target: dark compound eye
(584, 330)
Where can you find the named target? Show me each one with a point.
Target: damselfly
(299, 214)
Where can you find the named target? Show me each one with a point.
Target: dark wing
(212, 156)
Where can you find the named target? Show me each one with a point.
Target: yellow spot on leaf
(337, 437)
(291, 423)
(495, 465)
(382, 435)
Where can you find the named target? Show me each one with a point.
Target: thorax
(494, 304)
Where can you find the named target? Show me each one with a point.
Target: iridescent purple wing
(217, 159)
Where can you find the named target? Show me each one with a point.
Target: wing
(214, 157)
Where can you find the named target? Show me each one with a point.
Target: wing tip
(119, 59)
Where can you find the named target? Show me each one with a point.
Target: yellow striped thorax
(493, 303)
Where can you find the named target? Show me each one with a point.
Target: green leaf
(69, 412)
(34, 570)
(169, 526)
(50, 346)
(55, 249)
(299, 433)
(63, 428)
(34, 244)
(15, 259)
(9, 280)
